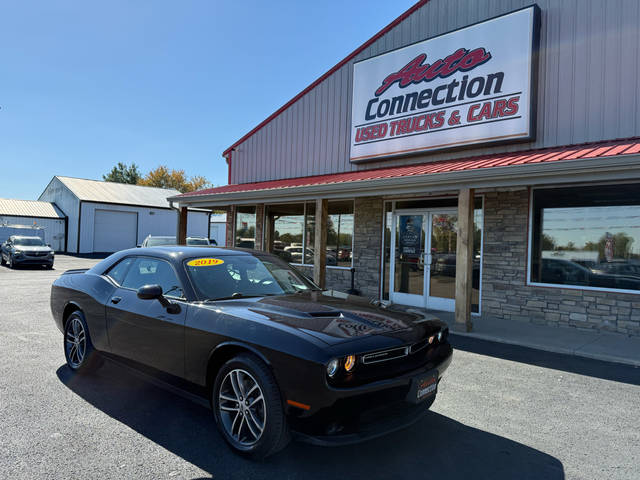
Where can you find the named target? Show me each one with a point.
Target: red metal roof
(547, 155)
(326, 75)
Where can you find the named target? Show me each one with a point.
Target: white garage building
(107, 216)
(43, 215)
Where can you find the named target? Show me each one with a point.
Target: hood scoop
(326, 314)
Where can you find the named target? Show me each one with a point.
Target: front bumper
(28, 260)
(368, 411)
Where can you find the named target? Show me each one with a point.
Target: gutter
(564, 171)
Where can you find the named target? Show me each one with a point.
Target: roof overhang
(613, 168)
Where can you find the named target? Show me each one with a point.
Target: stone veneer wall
(506, 295)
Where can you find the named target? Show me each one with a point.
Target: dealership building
(475, 157)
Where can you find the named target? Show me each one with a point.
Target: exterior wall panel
(162, 222)
(53, 228)
(66, 201)
(587, 88)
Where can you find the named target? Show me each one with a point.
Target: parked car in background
(159, 241)
(23, 250)
(270, 351)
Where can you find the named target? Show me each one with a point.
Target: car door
(143, 330)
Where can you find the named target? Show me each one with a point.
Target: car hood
(335, 318)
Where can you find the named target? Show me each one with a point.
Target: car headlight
(17, 252)
(349, 362)
(332, 367)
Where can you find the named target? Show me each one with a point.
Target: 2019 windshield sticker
(205, 262)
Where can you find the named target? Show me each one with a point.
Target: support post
(320, 243)
(231, 224)
(258, 242)
(269, 231)
(464, 260)
(182, 226)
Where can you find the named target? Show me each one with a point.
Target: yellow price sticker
(205, 262)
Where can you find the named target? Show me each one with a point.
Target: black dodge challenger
(273, 353)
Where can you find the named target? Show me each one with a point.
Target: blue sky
(84, 85)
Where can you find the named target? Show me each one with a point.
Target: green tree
(123, 173)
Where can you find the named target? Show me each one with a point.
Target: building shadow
(435, 447)
(616, 372)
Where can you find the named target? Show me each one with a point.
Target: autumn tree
(164, 178)
(123, 173)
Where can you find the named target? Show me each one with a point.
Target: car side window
(153, 271)
(119, 270)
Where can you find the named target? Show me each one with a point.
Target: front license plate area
(423, 387)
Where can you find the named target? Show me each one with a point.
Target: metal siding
(57, 193)
(587, 90)
(29, 208)
(53, 228)
(162, 222)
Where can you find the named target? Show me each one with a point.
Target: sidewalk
(611, 347)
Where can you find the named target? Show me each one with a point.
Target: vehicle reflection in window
(592, 246)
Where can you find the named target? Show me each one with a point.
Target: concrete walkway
(611, 347)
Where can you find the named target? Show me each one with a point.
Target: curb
(566, 351)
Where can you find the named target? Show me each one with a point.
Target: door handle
(116, 299)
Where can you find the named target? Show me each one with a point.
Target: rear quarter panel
(89, 292)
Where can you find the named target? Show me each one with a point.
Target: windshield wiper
(238, 295)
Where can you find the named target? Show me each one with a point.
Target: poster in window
(410, 235)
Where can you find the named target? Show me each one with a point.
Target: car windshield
(158, 241)
(197, 241)
(236, 276)
(28, 242)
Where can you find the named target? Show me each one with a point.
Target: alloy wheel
(75, 342)
(242, 407)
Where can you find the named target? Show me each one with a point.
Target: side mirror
(154, 292)
(150, 292)
(49, 245)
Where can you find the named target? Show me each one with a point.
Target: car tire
(79, 353)
(239, 419)
(2, 262)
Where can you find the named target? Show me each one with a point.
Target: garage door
(114, 230)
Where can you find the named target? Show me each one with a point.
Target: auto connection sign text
(465, 87)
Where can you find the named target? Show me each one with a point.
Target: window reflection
(595, 245)
(246, 227)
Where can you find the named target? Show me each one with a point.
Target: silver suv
(23, 250)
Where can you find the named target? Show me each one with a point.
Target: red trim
(326, 75)
(545, 155)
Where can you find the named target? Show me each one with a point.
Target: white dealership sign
(470, 86)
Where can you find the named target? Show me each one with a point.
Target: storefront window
(288, 231)
(294, 228)
(587, 237)
(245, 227)
(340, 234)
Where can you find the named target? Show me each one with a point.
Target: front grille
(37, 254)
(385, 355)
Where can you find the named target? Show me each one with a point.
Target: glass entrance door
(443, 237)
(423, 271)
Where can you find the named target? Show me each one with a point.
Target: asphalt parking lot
(501, 412)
